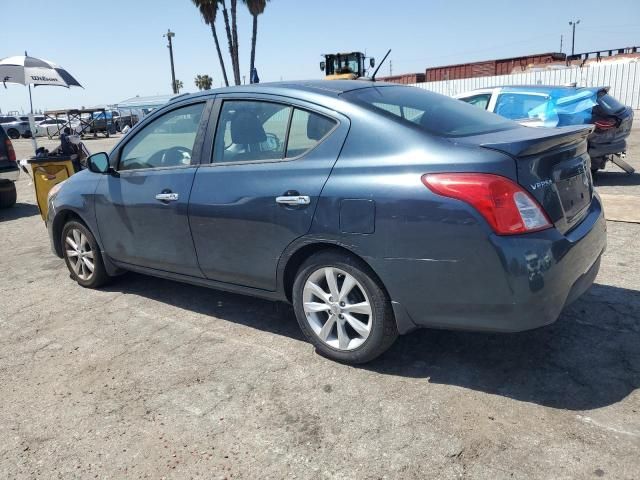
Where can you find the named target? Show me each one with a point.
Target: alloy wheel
(337, 308)
(79, 254)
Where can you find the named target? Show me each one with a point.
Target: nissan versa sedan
(373, 208)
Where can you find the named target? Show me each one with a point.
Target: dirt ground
(148, 378)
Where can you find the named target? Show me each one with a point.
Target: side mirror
(98, 163)
(322, 66)
(372, 62)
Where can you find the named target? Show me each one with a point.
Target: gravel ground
(148, 378)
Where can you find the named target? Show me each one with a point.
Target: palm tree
(208, 10)
(179, 85)
(256, 7)
(232, 37)
(203, 82)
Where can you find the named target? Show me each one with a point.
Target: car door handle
(293, 200)
(167, 197)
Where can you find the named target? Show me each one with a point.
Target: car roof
(547, 88)
(300, 88)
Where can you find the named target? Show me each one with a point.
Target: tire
(369, 335)
(13, 134)
(27, 134)
(83, 241)
(8, 195)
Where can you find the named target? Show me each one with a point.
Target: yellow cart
(49, 171)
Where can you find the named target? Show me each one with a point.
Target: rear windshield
(437, 114)
(609, 104)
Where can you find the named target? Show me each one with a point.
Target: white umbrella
(28, 71)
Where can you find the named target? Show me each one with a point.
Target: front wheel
(82, 255)
(342, 308)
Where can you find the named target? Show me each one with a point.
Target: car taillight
(605, 123)
(504, 204)
(10, 151)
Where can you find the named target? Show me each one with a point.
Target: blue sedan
(375, 209)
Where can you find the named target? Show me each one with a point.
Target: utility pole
(169, 36)
(390, 68)
(560, 43)
(573, 37)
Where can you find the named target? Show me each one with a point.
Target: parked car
(551, 106)
(50, 127)
(374, 208)
(9, 171)
(16, 127)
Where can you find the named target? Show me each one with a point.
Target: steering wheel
(170, 157)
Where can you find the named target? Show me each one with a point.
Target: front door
(142, 211)
(270, 161)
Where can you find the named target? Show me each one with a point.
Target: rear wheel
(342, 308)
(8, 195)
(82, 255)
(13, 133)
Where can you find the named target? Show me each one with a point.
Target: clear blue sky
(116, 50)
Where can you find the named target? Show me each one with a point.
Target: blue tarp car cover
(566, 108)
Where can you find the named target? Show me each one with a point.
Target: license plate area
(575, 194)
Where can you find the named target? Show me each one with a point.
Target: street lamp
(169, 36)
(573, 37)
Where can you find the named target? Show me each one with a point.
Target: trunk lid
(551, 164)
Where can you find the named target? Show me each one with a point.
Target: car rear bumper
(525, 285)
(597, 150)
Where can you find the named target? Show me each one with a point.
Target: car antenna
(373, 77)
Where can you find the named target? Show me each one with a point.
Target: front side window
(167, 141)
(437, 114)
(518, 105)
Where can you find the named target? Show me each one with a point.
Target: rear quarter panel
(429, 251)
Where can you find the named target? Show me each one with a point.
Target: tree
(203, 82)
(256, 7)
(230, 27)
(179, 85)
(208, 10)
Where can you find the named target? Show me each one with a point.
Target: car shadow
(615, 179)
(589, 358)
(273, 317)
(19, 210)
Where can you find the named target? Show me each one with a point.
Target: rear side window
(609, 104)
(256, 130)
(481, 101)
(518, 105)
(307, 130)
(437, 114)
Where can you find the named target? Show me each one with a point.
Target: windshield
(434, 113)
(344, 64)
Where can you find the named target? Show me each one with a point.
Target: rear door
(270, 158)
(142, 212)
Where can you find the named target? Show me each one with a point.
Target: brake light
(504, 204)
(605, 123)
(11, 153)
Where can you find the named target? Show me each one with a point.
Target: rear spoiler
(525, 141)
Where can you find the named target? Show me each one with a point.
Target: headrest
(246, 129)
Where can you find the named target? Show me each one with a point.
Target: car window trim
(217, 109)
(197, 144)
